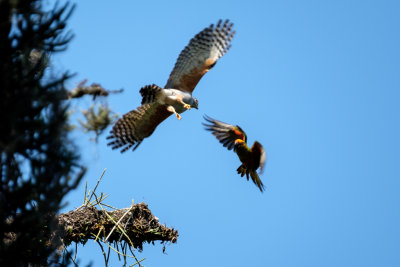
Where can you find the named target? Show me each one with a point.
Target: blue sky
(316, 82)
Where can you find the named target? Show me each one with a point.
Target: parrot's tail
(149, 93)
(256, 180)
(242, 170)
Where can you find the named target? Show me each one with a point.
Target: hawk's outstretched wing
(134, 126)
(200, 55)
(225, 133)
(195, 60)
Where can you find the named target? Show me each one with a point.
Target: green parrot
(233, 137)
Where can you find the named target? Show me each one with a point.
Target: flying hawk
(198, 57)
(233, 137)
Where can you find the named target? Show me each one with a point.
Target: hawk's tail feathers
(253, 174)
(149, 93)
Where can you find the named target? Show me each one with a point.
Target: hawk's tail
(149, 93)
(253, 174)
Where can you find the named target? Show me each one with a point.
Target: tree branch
(94, 89)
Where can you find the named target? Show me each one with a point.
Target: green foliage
(97, 119)
(39, 164)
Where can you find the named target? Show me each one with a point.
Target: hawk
(233, 137)
(197, 58)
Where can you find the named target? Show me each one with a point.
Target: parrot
(233, 137)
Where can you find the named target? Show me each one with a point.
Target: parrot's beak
(238, 141)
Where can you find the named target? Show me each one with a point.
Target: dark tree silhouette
(39, 164)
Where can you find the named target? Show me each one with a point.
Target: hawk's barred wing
(225, 133)
(200, 55)
(134, 126)
(195, 60)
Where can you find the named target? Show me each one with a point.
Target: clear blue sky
(316, 82)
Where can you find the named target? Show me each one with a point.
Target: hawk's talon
(187, 106)
(172, 110)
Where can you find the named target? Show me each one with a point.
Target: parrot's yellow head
(239, 145)
(239, 142)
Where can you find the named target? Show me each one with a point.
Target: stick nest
(134, 226)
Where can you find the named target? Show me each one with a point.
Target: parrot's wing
(227, 134)
(200, 55)
(259, 155)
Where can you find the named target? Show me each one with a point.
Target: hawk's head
(195, 103)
